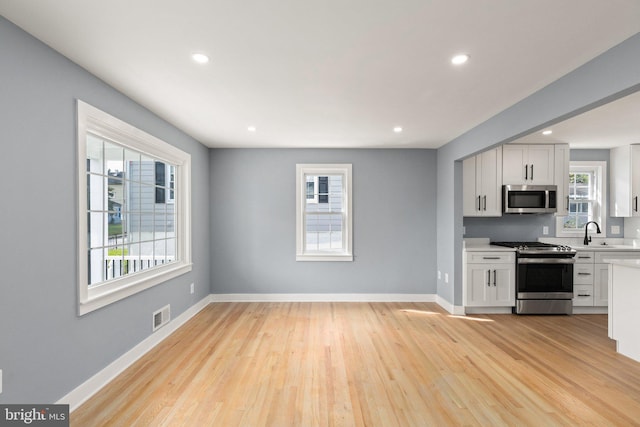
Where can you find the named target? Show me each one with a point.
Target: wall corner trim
(86, 390)
(456, 310)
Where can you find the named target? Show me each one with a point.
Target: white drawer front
(491, 257)
(584, 257)
(583, 274)
(583, 295)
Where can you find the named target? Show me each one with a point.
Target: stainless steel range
(544, 277)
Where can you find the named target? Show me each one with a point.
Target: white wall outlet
(446, 277)
(439, 274)
(615, 229)
(192, 288)
(545, 230)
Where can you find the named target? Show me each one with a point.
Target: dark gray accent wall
(253, 240)
(46, 350)
(613, 74)
(529, 227)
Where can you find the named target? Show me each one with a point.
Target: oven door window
(545, 278)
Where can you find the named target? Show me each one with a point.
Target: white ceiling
(327, 73)
(611, 125)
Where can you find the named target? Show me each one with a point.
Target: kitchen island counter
(624, 306)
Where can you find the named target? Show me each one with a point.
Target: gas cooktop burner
(537, 248)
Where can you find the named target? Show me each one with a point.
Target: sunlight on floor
(453, 316)
(412, 311)
(475, 319)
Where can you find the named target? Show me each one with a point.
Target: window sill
(324, 257)
(103, 295)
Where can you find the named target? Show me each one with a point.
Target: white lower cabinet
(583, 279)
(591, 276)
(490, 279)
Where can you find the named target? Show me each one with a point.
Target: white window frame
(96, 122)
(600, 207)
(345, 170)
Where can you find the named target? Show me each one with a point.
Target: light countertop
(632, 263)
(483, 245)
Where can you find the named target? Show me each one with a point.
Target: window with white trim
(587, 198)
(323, 212)
(133, 193)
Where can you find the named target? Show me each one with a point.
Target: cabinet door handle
(495, 274)
(584, 257)
(490, 257)
(636, 204)
(488, 277)
(526, 172)
(584, 274)
(485, 202)
(532, 172)
(567, 202)
(584, 295)
(479, 203)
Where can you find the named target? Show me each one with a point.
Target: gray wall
(529, 227)
(253, 223)
(46, 350)
(609, 76)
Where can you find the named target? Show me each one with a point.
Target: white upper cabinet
(482, 184)
(561, 178)
(624, 164)
(528, 164)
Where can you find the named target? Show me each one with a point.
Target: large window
(323, 209)
(587, 198)
(134, 209)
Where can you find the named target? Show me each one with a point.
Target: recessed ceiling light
(547, 132)
(397, 129)
(251, 128)
(460, 59)
(200, 58)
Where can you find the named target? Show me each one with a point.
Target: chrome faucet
(587, 238)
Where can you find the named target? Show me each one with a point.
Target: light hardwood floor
(373, 364)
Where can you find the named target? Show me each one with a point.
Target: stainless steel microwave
(529, 199)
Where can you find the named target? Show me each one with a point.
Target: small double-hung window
(134, 200)
(323, 212)
(587, 195)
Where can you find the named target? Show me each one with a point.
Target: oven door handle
(546, 261)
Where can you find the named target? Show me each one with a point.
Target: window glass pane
(96, 221)
(94, 155)
(324, 240)
(336, 240)
(310, 188)
(114, 158)
(97, 266)
(171, 250)
(132, 165)
(96, 197)
(147, 170)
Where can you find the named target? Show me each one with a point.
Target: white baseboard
(84, 391)
(590, 310)
(323, 298)
(457, 310)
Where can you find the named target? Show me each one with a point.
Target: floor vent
(161, 317)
